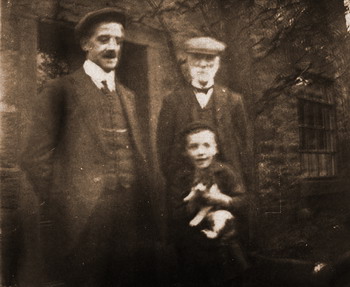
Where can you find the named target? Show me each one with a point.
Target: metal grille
(317, 136)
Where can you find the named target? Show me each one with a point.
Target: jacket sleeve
(234, 187)
(44, 129)
(176, 204)
(165, 136)
(178, 215)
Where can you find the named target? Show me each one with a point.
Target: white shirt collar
(203, 98)
(97, 74)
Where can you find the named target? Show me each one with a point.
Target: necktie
(204, 90)
(105, 88)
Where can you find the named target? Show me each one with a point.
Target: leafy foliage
(49, 67)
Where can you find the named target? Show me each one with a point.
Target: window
(317, 135)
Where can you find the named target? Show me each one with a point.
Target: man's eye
(103, 39)
(193, 147)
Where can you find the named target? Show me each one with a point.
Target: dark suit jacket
(231, 122)
(67, 160)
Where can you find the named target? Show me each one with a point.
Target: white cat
(218, 219)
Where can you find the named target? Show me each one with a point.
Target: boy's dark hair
(193, 128)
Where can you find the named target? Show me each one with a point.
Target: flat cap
(110, 14)
(204, 45)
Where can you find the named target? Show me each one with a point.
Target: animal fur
(218, 219)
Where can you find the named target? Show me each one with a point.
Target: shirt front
(203, 98)
(97, 75)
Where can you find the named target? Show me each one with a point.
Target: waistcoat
(203, 114)
(117, 138)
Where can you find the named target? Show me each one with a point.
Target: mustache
(109, 54)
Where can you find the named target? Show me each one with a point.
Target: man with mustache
(86, 161)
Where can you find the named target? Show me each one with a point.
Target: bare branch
(281, 85)
(167, 30)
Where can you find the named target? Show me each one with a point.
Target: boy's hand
(218, 199)
(196, 191)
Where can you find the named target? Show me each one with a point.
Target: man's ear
(85, 45)
(216, 64)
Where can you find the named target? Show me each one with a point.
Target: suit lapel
(128, 104)
(220, 104)
(87, 98)
(184, 105)
(221, 118)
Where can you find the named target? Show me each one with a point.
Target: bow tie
(203, 90)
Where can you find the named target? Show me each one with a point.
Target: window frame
(323, 156)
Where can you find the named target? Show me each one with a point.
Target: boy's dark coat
(215, 259)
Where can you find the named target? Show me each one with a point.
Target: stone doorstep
(289, 272)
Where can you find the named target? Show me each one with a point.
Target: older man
(202, 99)
(87, 164)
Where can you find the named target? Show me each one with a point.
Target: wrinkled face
(201, 148)
(202, 68)
(104, 45)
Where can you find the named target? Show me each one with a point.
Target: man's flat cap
(204, 45)
(110, 14)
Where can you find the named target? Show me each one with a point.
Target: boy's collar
(189, 171)
(213, 167)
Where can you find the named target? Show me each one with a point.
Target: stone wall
(274, 45)
(15, 67)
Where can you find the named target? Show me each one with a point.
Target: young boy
(206, 259)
